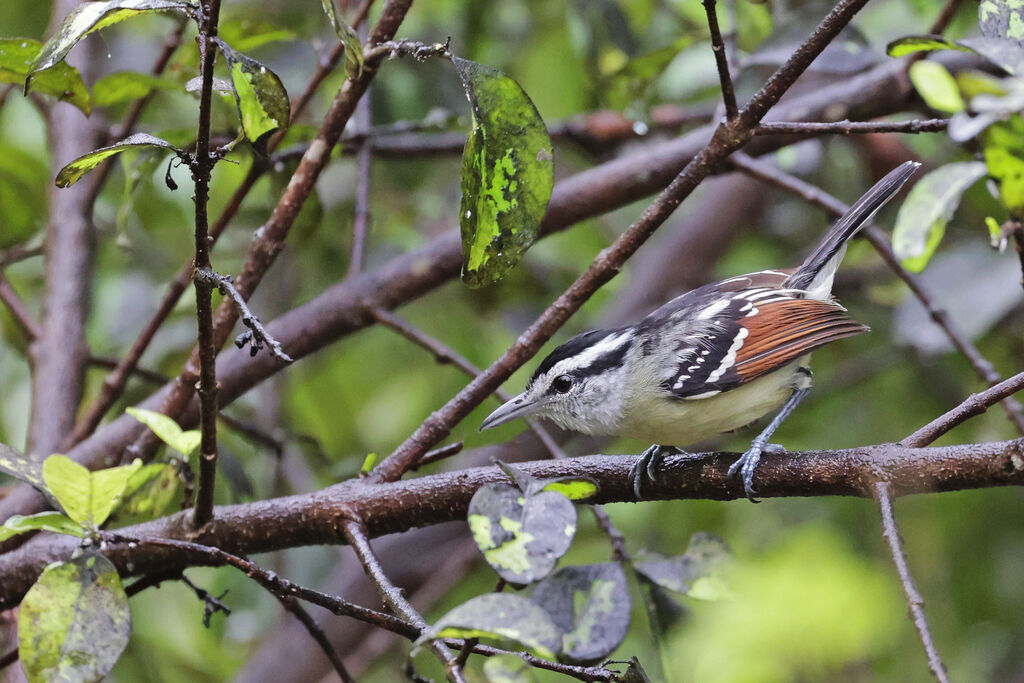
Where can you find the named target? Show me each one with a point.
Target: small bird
(709, 361)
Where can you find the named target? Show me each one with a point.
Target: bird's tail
(815, 275)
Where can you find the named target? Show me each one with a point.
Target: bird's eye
(562, 384)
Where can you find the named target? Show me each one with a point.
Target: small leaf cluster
(577, 614)
(982, 108)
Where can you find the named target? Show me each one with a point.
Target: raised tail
(816, 273)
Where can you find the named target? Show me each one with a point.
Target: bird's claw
(746, 464)
(646, 466)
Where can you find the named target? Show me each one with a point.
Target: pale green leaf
(573, 489)
(108, 487)
(75, 622)
(148, 494)
(185, 442)
(57, 522)
(70, 483)
(62, 81)
(936, 86)
(73, 172)
(927, 43)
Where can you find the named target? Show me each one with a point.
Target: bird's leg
(647, 465)
(747, 463)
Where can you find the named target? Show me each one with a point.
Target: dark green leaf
(18, 466)
(936, 86)
(927, 43)
(591, 605)
(73, 172)
(263, 105)
(507, 174)
(522, 536)
(62, 81)
(922, 218)
(125, 86)
(508, 668)
(92, 16)
(1002, 19)
(44, 521)
(500, 616)
(74, 622)
(347, 35)
(694, 573)
(1003, 146)
(185, 442)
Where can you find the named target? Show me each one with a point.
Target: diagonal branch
(721, 61)
(317, 634)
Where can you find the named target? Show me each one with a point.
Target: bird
(709, 361)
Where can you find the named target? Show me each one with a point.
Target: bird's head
(579, 386)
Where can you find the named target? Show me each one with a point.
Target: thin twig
(202, 166)
(393, 49)
(211, 603)
(316, 632)
(364, 167)
(845, 127)
(257, 335)
(17, 254)
(946, 16)
(815, 195)
(1018, 238)
(721, 61)
(973, 405)
(151, 376)
(355, 534)
(915, 602)
(19, 313)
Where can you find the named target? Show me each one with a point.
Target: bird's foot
(646, 466)
(747, 463)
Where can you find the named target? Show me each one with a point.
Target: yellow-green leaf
(263, 105)
(70, 484)
(73, 172)
(125, 86)
(185, 442)
(43, 521)
(936, 86)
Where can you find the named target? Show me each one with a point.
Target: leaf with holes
(263, 105)
(87, 497)
(500, 616)
(43, 521)
(168, 431)
(507, 174)
(73, 172)
(62, 81)
(591, 605)
(921, 221)
(74, 622)
(349, 38)
(696, 573)
(93, 16)
(522, 536)
(1002, 19)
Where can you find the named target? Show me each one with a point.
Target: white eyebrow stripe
(588, 356)
(714, 309)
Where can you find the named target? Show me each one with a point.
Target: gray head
(578, 386)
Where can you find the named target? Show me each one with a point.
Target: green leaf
(936, 86)
(1003, 147)
(74, 622)
(591, 605)
(73, 172)
(62, 81)
(108, 488)
(521, 536)
(500, 616)
(696, 573)
(627, 83)
(922, 218)
(93, 16)
(87, 497)
(507, 174)
(263, 105)
(1002, 19)
(368, 462)
(249, 33)
(508, 668)
(168, 430)
(349, 38)
(44, 521)
(573, 489)
(18, 466)
(927, 43)
(125, 86)
(995, 233)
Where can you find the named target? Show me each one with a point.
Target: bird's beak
(515, 408)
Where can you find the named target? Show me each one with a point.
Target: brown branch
(364, 167)
(727, 138)
(973, 405)
(19, 312)
(17, 254)
(721, 61)
(850, 127)
(318, 635)
(815, 195)
(355, 534)
(915, 603)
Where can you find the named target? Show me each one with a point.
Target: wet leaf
(18, 466)
(507, 174)
(1004, 53)
(62, 81)
(92, 16)
(74, 622)
(125, 86)
(347, 35)
(73, 172)
(922, 218)
(936, 86)
(1002, 19)
(263, 105)
(43, 521)
(696, 572)
(508, 668)
(591, 606)
(87, 497)
(500, 616)
(522, 536)
(168, 431)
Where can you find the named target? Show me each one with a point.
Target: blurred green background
(816, 595)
